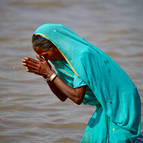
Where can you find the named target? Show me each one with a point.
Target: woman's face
(52, 54)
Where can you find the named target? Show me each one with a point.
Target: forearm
(75, 94)
(56, 91)
(60, 88)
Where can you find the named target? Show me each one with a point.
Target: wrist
(51, 77)
(48, 75)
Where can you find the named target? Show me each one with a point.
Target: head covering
(110, 84)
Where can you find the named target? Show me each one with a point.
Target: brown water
(29, 112)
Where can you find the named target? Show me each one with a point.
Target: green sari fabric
(118, 115)
(67, 75)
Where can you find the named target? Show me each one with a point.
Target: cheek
(46, 57)
(49, 56)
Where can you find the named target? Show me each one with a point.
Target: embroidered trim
(63, 69)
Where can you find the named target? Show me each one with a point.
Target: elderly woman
(85, 74)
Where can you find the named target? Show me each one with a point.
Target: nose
(40, 57)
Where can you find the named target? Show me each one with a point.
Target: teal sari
(117, 118)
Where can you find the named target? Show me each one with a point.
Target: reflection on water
(29, 111)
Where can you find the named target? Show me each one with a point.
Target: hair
(41, 43)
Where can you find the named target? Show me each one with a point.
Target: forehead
(40, 51)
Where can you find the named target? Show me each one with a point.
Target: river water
(29, 112)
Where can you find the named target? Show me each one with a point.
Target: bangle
(52, 77)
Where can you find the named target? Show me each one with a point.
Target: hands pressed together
(60, 89)
(40, 67)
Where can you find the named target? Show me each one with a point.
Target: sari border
(62, 69)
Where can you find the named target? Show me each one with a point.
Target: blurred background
(29, 112)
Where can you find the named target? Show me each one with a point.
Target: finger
(33, 71)
(34, 61)
(28, 69)
(27, 59)
(24, 59)
(32, 66)
(30, 63)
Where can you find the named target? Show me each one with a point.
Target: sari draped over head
(109, 83)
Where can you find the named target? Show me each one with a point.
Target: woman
(87, 75)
